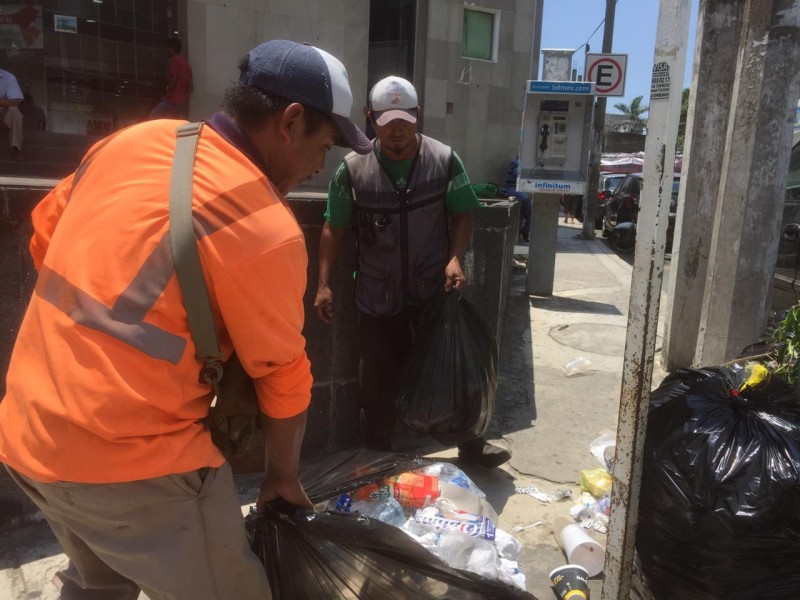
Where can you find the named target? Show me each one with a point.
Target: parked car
(606, 185)
(623, 207)
(786, 281)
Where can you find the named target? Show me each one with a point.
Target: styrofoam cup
(581, 549)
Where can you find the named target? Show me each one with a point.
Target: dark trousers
(384, 343)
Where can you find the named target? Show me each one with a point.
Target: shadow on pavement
(515, 405)
(573, 305)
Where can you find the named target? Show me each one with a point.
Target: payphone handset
(552, 136)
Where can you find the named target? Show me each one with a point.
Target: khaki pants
(177, 537)
(12, 119)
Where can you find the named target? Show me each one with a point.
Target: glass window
(478, 39)
(86, 67)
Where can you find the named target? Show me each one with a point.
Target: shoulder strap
(186, 257)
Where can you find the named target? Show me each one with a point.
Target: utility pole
(596, 152)
(669, 61)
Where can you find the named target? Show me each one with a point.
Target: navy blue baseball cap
(308, 75)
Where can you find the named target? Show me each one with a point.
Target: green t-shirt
(460, 196)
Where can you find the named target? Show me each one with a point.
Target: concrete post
(719, 29)
(744, 241)
(669, 61)
(541, 250)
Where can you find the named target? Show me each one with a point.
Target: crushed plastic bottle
(591, 513)
(387, 510)
(463, 551)
(507, 545)
(602, 506)
(451, 474)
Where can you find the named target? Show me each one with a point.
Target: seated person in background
(34, 117)
(10, 99)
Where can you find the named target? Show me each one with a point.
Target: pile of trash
(387, 526)
(441, 509)
(585, 555)
(594, 506)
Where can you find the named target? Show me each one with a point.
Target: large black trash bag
(719, 511)
(314, 556)
(448, 386)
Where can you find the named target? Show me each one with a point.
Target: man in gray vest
(410, 202)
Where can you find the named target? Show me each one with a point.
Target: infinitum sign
(550, 186)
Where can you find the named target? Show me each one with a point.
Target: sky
(570, 23)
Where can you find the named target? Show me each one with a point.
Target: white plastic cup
(581, 549)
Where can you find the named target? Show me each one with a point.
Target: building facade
(94, 66)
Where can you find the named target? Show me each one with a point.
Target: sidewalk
(545, 418)
(586, 316)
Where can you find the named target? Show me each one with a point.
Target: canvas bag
(233, 419)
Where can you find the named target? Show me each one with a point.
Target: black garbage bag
(311, 556)
(719, 511)
(334, 474)
(447, 389)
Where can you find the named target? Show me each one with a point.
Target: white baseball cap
(393, 98)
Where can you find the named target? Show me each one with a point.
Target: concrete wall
(617, 141)
(485, 98)
(16, 267)
(220, 33)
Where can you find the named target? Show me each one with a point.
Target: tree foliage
(634, 113)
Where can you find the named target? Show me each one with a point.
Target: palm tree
(633, 113)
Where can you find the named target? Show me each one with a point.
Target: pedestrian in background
(175, 103)
(10, 98)
(410, 202)
(102, 422)
(570, 203)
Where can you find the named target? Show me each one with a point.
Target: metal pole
(662, 129)
(590, 201)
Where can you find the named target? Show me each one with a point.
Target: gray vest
(402, 234)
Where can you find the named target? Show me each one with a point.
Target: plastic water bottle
(387, 510)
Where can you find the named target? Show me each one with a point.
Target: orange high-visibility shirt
(103, 384)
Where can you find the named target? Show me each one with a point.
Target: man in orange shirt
(175, 103)
(102, 421)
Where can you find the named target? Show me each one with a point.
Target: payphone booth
(553, 161)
